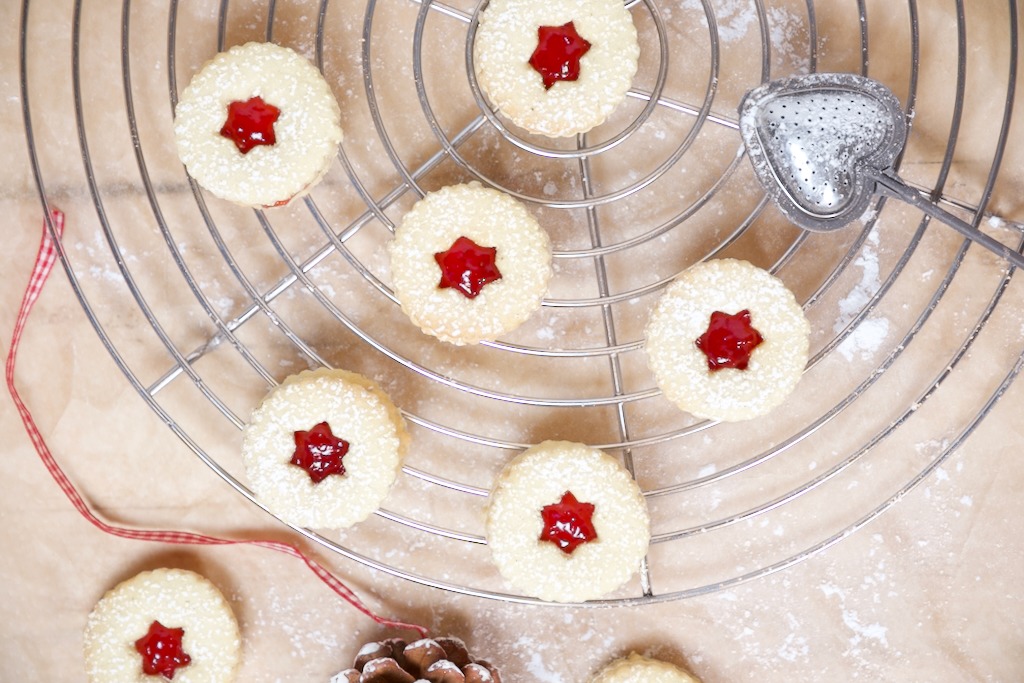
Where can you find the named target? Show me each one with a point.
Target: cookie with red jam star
(727, 341)
(257, 125)
(469, 263)
(162, 625)
(323, 448)
(556, 67)
(567, 522)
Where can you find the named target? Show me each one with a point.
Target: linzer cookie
(727, 341)
(166, 624)
(323, 448)
(638, 669)
(257, 125)
(567, 523)
(469, 263)
(556, 67)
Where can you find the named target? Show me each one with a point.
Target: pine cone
(435, 660)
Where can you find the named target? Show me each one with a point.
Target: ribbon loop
(44, 262)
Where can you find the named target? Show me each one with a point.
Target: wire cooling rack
(204, 306)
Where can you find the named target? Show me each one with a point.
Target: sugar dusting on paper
(736, 21)
(865, 339)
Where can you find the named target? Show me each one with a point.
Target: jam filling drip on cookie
(467, 267)
(729, 340)
(568, 523)
(251, 124)
(558, 53)
(162, 654)
(319, 452)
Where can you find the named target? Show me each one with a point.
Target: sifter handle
(893, 186)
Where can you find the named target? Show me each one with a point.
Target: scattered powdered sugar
(539, 670)
(788, 38)
(869, 284)
(862, 634)
(863, 631)
(444, 664)
(546, 334)
(865, 339)
(306, 631)
(107, 273)
(869, 335)
(996, 222)
(707, 470)
(931, 449)
(735, 19)
(795, 646)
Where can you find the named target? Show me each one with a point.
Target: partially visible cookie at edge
(138, 613)
(639, 669)
(507, 38)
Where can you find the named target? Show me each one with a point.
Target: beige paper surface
(928, 591)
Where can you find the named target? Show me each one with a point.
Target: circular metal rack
(205, 306)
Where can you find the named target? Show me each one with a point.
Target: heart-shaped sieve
(823, 144)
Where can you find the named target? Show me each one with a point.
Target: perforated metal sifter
(824, 143)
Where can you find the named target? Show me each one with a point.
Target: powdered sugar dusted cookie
(727, 341)
(638, 669)
(258, 125)
(166, 624)
(469, 263)
(323, 448)
(556, 67)
(567, 523)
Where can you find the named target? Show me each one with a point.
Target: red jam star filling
(558, 53)
(729, 340)
(251, 124)
(467, 267)
(319, 452)
(568, 523)
(161, 651)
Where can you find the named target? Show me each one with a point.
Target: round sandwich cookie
(257, 125)
(566, 522)
(639, 669)
(323, 448)
(556, 67)
(165, 624)
(469, 263)
(727, 341)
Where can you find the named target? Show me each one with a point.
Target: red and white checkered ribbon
(45, 259)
